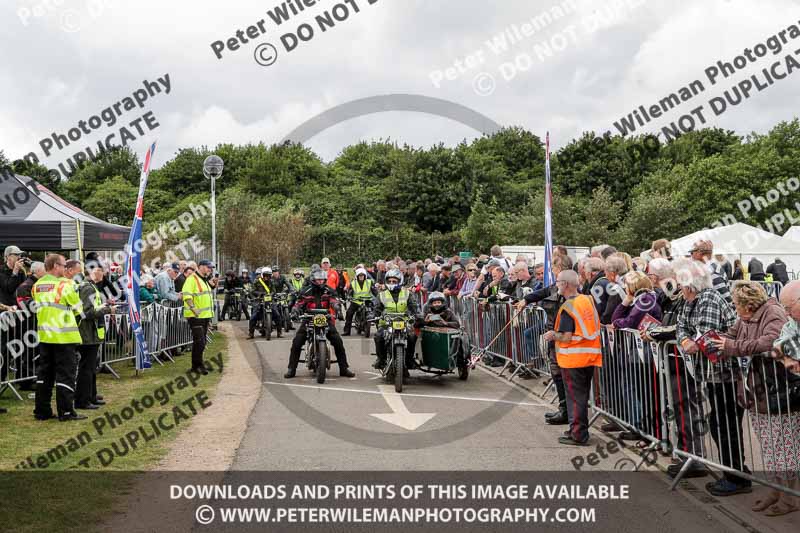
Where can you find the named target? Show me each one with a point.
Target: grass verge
(81, 468)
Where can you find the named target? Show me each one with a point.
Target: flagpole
(549, 279)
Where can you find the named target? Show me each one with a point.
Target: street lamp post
(212, 169)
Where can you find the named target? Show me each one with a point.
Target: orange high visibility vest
(584, 348)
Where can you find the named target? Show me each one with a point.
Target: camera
(25, 258)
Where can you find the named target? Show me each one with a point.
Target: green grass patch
(65, 495)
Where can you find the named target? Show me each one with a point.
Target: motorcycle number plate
(268, 299)
(321, 320)
(398, 324)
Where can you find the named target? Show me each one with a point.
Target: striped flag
(132, 266)
(549, 278)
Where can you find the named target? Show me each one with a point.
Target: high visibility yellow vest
(362, 293)
(297, 283)
(584, 348)
(57, 306)
(196, 290)
(390, 306)
(98, 304)
(267, 291)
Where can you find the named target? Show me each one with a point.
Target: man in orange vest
(577, 338)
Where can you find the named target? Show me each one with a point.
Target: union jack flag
(132, 265)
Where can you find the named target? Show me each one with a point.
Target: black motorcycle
(234, 304)
(395, 335)
(265, 305)
(318, 357)
(281, 303)
(362, 318)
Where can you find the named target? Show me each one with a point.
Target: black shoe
(203, 370)
(379, 365)
(3, 410)
(347, 373)
(98, 401)
(346, 334)
(551, 414)
(251, 336)
(44, 417)
(696, 470)
(88, 406)
(572, 442)
(559, 420)
(68, 417)
(608, 427)
(290, 374)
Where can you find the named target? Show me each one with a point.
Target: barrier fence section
(497, 330)
(165, 328)
(740, 416)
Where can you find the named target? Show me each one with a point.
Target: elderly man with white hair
(707, 310)
(596, 282)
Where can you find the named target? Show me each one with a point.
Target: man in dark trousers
(577, 337)
(92, 329)
(318, 295)
(58, 306)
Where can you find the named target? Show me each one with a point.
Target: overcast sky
(66, 60)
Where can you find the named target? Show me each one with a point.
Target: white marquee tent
(741, 241)
(793, 233)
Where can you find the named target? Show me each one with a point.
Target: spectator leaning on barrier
(470, 281)
(753, 335)
(577, 338)
(597, 284)
(147, 294)
(182, 274)
(165, 283)
(23, 293)
(25, 365)
(58, 306)
(640, 300)
(92, 330)
(706, 310)
(615, 269)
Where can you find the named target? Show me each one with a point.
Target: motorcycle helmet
(394, 274)
(298, 273)
(258, 272)
(361, 272)
(437, 302)
(276, 268)
(230, 273)
(266, 271)
(319, 278)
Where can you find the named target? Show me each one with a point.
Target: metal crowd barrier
(18, 350)
(165, 329)
(739, 416)
(628, 388)
(519, 345)
(773, 288)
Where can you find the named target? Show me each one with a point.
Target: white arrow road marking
(401, 416)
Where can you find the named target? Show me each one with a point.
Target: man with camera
(12, 274)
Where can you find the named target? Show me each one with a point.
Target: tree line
(381, 198)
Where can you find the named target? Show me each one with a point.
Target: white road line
(436, 396)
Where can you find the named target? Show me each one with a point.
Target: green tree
(114, 200)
